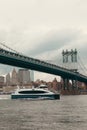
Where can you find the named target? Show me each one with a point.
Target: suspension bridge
(11, 57)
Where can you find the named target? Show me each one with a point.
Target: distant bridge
(19, 60)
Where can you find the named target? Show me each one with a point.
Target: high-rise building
(31, 75)
(14, 77)
(23, 76)
(8, 79)
(2, 81)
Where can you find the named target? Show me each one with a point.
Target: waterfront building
(55, 84)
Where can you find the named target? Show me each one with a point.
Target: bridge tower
(69, 60)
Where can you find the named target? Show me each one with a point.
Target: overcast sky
(43, 28)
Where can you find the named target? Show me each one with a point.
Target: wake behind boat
(33, 93)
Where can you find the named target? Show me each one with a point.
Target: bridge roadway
(19, 60)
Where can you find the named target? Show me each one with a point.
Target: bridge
(19, 60)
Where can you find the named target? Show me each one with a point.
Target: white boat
(34, 93)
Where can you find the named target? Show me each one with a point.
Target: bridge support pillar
(65, 84)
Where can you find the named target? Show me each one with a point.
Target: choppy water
(68, 113)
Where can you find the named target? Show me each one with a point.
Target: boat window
(32, 92)
(43, 86)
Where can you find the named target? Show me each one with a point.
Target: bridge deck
(19, 60)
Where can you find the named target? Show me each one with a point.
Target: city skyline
(17, 77)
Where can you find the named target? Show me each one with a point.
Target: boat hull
(48, 96)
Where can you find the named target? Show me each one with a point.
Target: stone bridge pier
(69, 86)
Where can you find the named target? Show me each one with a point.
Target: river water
(68, 113)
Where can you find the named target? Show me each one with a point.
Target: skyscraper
(31, 75)
(14, 77)
(23, 76)
(1, 81)
(8, 79)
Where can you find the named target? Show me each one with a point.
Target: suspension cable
(7, 47)
(82, 65)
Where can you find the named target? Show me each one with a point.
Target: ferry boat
(34, 93)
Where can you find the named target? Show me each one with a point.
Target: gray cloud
(54, 40)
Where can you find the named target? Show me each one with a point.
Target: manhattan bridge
(69, 70)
